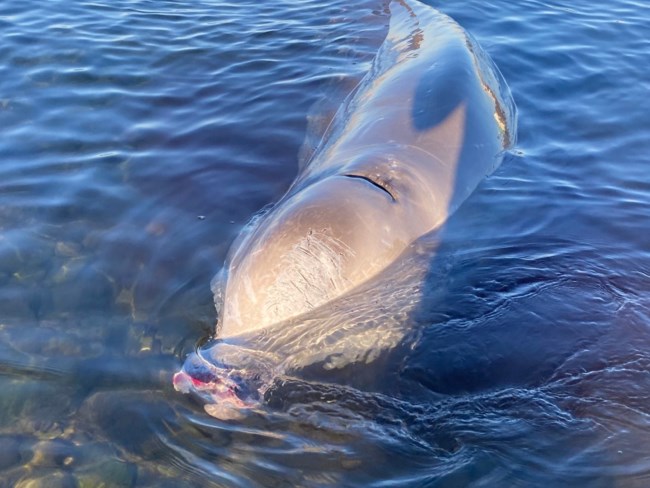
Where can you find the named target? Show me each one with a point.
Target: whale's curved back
(428, 122)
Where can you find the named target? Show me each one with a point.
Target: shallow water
(139, 137)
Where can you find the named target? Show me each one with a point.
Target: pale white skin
(414, 140)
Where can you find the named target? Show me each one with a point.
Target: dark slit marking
(374, 183)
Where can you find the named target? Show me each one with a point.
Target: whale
(430, 120)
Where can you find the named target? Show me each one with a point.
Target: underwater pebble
(124, 301)
(34, 252)
(92, 239)
(123, 418)
(146, 343)
(18, 400)
(52, 480)
(54, 453)
(83, 289)
(68, 271)
(141, 338)
(111, 473)
(43, 428)
(30, 276)
(67, 249)
(9, 452)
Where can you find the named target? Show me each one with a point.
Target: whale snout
(224, 390)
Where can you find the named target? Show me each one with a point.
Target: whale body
(431, 119)
(425, 126)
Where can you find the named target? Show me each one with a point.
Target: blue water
(139, 137)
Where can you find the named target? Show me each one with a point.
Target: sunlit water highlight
(140, 136)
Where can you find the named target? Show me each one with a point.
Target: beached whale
(429, 121)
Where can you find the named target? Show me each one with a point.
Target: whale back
(429, 121)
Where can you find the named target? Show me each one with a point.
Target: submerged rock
(9, 452)
(55, 453)
(56, 479)
(108, 473)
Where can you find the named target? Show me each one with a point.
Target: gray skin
(426, 125)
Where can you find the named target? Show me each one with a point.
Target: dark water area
(138, 139)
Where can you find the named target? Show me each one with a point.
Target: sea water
(140, 136)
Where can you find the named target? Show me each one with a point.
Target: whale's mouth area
(224, 390)
(217, 390)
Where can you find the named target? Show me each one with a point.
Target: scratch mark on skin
(311, 274)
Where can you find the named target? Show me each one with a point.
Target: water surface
(140, 136)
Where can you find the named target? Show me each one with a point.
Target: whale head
(228, 379)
